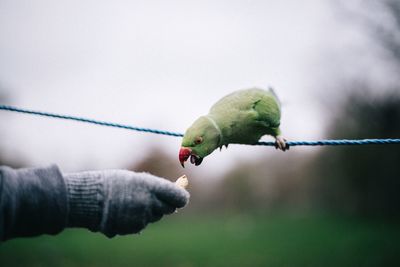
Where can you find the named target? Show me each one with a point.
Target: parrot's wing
(268, 110)
(243, 106)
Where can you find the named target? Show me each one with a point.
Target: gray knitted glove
(120, 201)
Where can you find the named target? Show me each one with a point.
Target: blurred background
(161, 64)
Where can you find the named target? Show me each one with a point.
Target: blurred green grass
(219, 241)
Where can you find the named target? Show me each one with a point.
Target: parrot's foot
(280, 143)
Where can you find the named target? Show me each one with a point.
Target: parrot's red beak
(184, 154)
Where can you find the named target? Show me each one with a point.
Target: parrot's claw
(280, 143)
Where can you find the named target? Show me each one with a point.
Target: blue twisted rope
(102, 123)
(336, 142)
(155, 131)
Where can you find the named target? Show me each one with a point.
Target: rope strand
(161, 132)
(81, 119)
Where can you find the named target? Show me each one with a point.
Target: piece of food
(241, 117)
(182, 181)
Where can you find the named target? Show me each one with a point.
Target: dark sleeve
(32, 202)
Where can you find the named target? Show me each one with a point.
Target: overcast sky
(161, 64)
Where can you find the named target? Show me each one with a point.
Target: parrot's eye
(198, 140)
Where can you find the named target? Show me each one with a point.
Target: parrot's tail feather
(272, 91)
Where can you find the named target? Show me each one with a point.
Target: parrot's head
(199, 140)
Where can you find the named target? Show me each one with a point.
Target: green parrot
(241, 117)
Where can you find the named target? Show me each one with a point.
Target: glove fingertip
(173, 195)
(182, 198)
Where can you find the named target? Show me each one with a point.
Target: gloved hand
(120, 201)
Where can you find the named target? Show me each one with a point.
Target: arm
(44, 201)
(32, 202)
